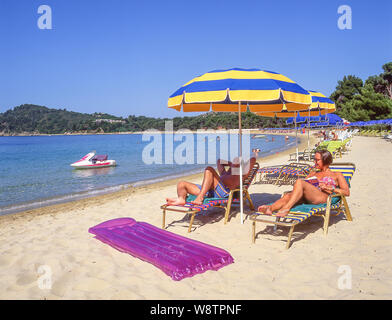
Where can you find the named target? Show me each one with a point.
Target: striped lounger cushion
(304, 211)
(207, 203)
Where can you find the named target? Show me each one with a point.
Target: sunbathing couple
(219, 185)
(215, 184)
(327, 182)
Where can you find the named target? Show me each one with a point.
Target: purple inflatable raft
(177, 256)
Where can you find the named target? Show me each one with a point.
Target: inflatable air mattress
(177, 256)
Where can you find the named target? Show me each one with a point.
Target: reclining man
(215, 184)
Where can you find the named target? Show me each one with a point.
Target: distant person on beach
(215, 184)
(314, 189)
(255, 152)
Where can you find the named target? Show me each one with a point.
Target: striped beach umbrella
(236, 90)
(321, 105)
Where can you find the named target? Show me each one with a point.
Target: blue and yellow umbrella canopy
(321, 102)
(320, 105)
(224, 90)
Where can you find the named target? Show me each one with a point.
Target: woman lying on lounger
(215, 184)
(314, 189)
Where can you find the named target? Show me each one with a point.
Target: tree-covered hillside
(29, 118)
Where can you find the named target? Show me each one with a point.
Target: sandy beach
(55, 241)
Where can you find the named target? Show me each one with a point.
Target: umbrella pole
(296, 143)
(308, 130)
(240, 158)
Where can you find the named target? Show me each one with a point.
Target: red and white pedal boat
(91, 160)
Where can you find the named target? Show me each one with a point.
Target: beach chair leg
(228, 207)
(247, 195)
(347, 210)
(253, 231)
(326, 220)
(275, 225)
(290, 235)
(191, 222)
(163, 219)
(278, 180)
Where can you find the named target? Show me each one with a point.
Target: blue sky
(127, 57)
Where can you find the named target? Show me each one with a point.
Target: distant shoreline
(251, 131)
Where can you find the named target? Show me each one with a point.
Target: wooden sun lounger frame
(283, 178)
(230, 201)
(325, 214)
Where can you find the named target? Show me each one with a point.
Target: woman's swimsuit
(328, 181)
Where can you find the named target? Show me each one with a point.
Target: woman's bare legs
(268, 209)
(210, 181)
(302, 189)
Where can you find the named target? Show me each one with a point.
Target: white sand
(56, 239)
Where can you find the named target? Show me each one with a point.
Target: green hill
(33, 119)
(37, 119)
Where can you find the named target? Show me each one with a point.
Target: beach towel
(175, 255)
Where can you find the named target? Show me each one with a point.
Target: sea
(35, 171)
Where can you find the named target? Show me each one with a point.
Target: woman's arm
(221, 166)
(342, 187)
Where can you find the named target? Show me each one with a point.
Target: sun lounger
(283, 174)
(388, 137)
(268, 175)
(336, 204)
(335, 147)
(225, 203)
(306, 155)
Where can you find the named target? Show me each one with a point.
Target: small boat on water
(93, 160)
(256, 136)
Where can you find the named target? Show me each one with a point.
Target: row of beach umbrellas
(331, 119)
(266, 93)
(371, 123)
(334, 120)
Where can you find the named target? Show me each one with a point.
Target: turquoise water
(36, 170)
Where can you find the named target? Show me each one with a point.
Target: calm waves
(36, 170)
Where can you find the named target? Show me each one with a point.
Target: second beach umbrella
(320, 105)
(235, 90)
